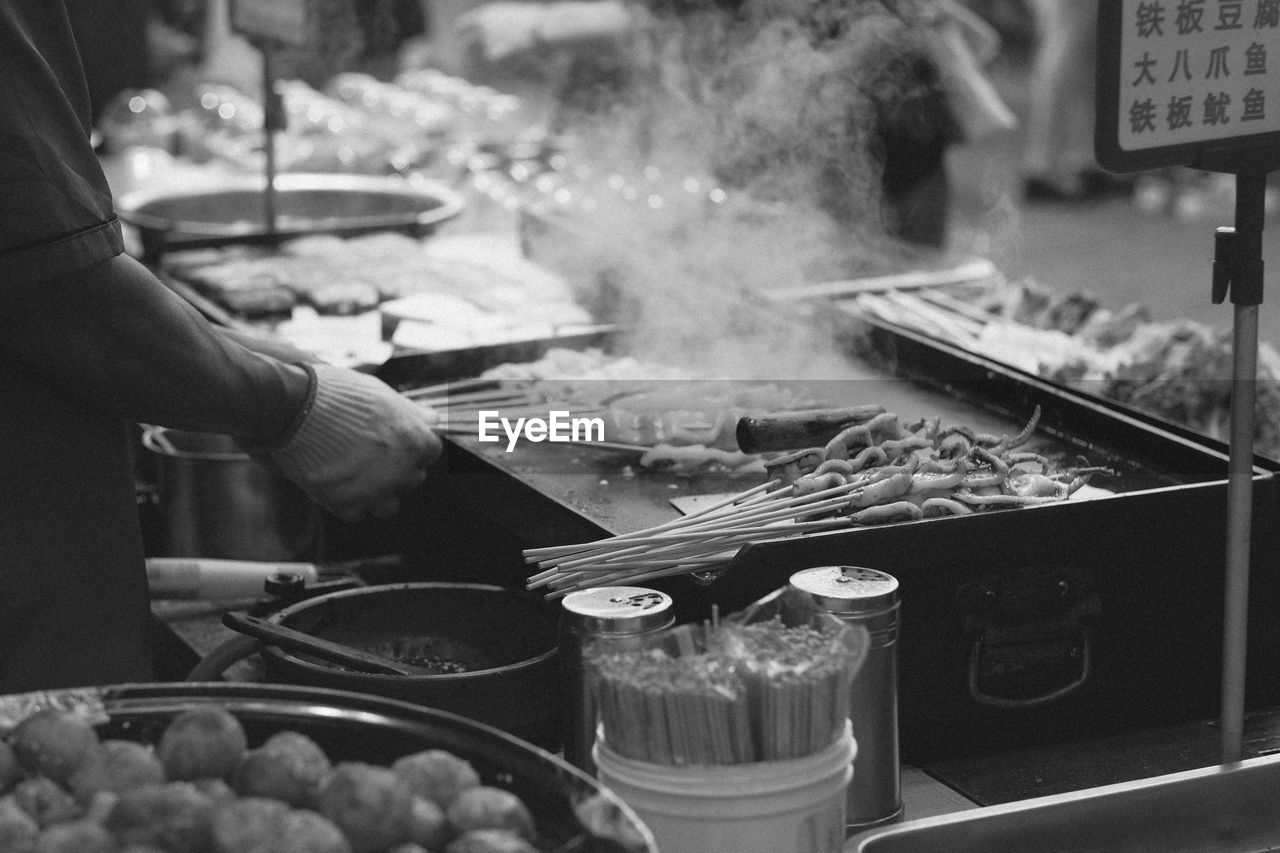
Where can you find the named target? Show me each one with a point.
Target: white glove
(360, 447)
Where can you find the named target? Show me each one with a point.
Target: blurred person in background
(343, 35)
(92, 342)
(1057, 160)
(908, 73)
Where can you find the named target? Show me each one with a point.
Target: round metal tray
(235, 210)
(355, 727)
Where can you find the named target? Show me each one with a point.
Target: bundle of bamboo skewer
(933, 312)
(727, 694)
(702, 540)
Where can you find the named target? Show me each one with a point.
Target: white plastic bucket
(794, 806)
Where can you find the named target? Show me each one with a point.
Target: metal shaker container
(869, 598)
(618, 617)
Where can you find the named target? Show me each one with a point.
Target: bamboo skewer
(459, 413)
(758, 515)
(608, 574)
(698, 538)
(958, 306)
(913, 312)
(641, 577)
(725, 504)
(929, 310)
(727, 694)
(699, 544)
(445, 388)
(703, 555)
(615, 446)
(977, 269)
(463, 417)
(476, 399)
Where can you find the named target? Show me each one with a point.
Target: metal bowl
(354, 727)
(235, 212)
(216, 501)
(504, 640)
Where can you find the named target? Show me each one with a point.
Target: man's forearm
(117, 336)
(264, 344)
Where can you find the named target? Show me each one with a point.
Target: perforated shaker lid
(617, 609)
(847, 589)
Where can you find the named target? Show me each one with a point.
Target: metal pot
(216, 501)
(497, 648)
(233, 211)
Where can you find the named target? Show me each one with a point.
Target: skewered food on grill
(875, 472)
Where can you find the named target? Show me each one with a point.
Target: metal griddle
(1139, 572)
(596, 493)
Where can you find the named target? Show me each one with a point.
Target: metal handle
(299, 641)
(1086, 670)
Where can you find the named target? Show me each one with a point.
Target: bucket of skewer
(733, 735)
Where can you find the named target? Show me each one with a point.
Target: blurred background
(1151, 243)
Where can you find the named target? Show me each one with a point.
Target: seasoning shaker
(869, 598)
(620, 616)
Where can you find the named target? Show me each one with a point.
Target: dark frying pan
(489, 652)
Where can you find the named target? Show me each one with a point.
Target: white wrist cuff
(339, 411)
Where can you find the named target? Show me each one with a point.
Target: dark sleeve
(74, 309)
(56, 213)
(116, 337)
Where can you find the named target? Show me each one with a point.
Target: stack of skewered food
(872, 471)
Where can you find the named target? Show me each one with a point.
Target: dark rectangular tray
(1142, 570)
(929, 358)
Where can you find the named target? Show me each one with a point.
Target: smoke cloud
(746, 163)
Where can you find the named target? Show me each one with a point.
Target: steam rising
(747, 164)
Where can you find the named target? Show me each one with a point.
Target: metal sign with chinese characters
(1188, 82)
(283, 21)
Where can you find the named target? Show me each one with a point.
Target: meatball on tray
(225, 765)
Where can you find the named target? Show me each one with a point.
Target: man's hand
(360, 448)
